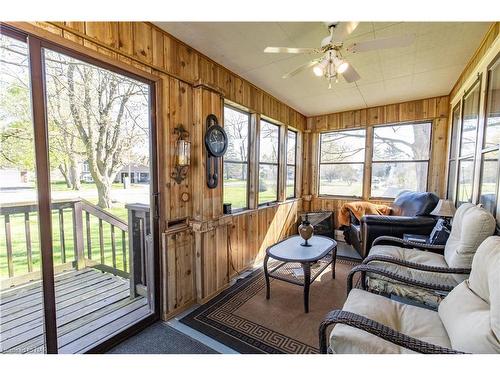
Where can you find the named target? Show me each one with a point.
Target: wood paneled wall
(431, 109)
(251, 234)
(201, 248)
(150, 47)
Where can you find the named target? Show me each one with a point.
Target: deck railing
(114, 224)
(83, 247)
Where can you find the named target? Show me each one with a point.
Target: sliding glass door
(99, 182)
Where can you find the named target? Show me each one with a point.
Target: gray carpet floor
(160, 338)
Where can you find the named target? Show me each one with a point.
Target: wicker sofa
(467, 320)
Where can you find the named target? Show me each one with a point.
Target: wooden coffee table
(322, 251)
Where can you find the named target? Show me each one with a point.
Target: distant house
(12, 177)
(139, 173)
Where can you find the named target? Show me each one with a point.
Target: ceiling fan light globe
(342, 67)
(318, 71)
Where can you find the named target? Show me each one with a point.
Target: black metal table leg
(266, 275)
(334, 260)
(307, 282)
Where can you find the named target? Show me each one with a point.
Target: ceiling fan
(332, 64)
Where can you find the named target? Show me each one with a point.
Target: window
(492, 130)
(468, 135)
(452, 165)
(488, 185)
(235, 185)
(291, 163)
(342, 160)
(469, 122)
(489, 181)
(268, 162)
(465, 180)
(400, 159)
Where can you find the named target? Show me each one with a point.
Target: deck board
(35, 302)
(61, 303)
(61, 289)
(34, 320)
(61, 278)
(62, 308)
(91, 305)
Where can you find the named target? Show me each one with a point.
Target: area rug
(244, 320)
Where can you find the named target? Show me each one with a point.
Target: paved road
(135, 194)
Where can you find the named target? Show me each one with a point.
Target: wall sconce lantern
(182, 154)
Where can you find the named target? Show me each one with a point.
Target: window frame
(481, 172)
(363, 163)
(489, 69)
(458, 157)
(277, 164)
(291, 165)
(453, 142)
(486, 150)
(428, 160)
(247, 163)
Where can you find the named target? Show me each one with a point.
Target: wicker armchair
(403, 269)
(467, 321)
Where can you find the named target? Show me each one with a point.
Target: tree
(16, 127)
(405, 142)
(104, 113)
(94, 115)
(17, 149)
(236, 127)
(16, 133)
(66, 148)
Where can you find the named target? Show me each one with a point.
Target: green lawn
(267, 196)
(235, 192)
(236, 195)
(337, 187)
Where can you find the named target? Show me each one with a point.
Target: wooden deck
(91, 305)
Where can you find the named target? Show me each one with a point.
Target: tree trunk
(64, 171)
(421, 152)
(74, 172)
(104, 193)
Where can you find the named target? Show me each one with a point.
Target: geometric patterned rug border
(216, 320)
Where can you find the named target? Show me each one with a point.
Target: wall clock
(216, 145)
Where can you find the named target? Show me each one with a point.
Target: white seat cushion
(471, 226)
(413, 321)
(415, 256)
(471, 312)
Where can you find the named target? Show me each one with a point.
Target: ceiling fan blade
(351, 75)
(290, 50)
(300, 68)
(370, 45)
(342, 30)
